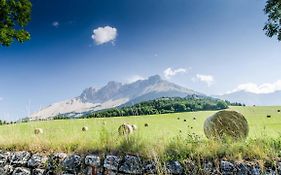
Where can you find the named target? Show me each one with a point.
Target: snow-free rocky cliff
(114, 94)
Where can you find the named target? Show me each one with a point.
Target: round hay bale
(134, 127)
(85, 128)
(194, 118)
(268, 116)
(178, 118)
(125, 129)
(226, 124)
(278, 110)
(184, 120)
(38, 131)
(146, 125)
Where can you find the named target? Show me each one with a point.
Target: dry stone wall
(25, 163)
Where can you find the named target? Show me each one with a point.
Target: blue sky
(210, 46)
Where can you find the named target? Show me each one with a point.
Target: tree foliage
(165, 105)
(14, 16)
(273, 12)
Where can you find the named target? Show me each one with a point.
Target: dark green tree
(14, 16)
(273, 25)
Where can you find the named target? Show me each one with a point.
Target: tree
(273, 12)
(14, 16)
(222, 105)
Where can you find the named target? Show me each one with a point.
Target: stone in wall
(38, 171)
(37, 161)
(150, 168)
(21, 171)
(93, 165)
(131, 165)
(6, 169)
(54, 165)
(4, 158)
(72, 164)
(20, 158)
(227, 168)
(111, 164)
(174, 167)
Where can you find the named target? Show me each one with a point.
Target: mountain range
(114, 94)
(250, 98)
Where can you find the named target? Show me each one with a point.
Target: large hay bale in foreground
(125, 129)
(226, 124)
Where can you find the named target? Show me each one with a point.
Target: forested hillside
(162, 106)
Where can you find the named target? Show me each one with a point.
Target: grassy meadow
(167, 132)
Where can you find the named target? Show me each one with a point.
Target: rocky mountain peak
(154, 78)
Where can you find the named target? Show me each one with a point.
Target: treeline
(3, 122)
(234, 103)
(161, 106)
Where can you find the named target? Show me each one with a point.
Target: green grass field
(66, 135)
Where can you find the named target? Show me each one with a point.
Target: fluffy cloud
(135, 78)
(169, 72)
(264, 88)
(105, 34)
(208, 79)
(55, 24)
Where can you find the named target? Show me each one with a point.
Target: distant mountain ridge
(114, 94)
(249, 98)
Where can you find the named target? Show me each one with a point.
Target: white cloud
(1, 99)
(208, 79)
(55, 24)
(105, 34)
(169, 72)
(135, 78)
(264, 88)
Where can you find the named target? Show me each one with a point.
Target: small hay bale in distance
(226, 124)
(278, 110)
(146, 125)
(268, 116)
(85, 128)
(125, 129)
(184, 120)
(178, 118)
(194, 118)
(134, 127)
(38, 131)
